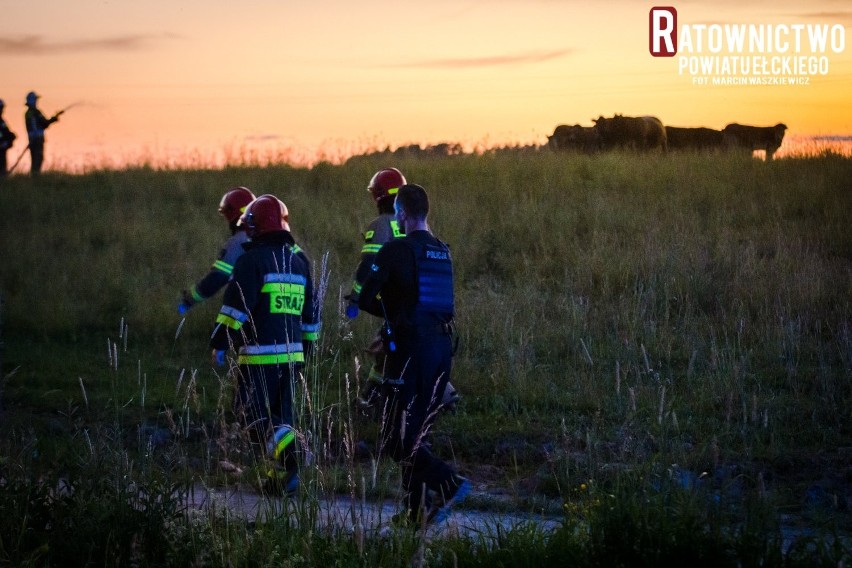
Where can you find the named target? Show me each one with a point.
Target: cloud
(828, 16)
(37, 45)
(262, 137)
(492, 61)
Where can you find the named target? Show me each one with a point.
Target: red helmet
(234, 203)
(265, 214)
(386, 183)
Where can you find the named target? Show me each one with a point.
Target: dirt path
(368, 517)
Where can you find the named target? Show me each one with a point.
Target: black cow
(578, 138)
(639, 133)
(753, 138)
(701, 139)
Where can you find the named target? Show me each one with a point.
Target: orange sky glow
(207, 82)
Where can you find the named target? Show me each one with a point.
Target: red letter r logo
(662, 33)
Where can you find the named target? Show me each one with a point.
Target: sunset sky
(193, 78)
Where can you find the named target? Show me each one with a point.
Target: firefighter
(7, 138)
(383, 187)
(384, 228)
(269, 317)
(232, 205)
(410, 286)
(36, 123)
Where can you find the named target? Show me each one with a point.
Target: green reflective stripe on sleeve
(231, 317)
(296, 249)
(272, 359)
(282, 444)
(310, 331)
(195, 295)
(370, 249)
(223, 266)
(356, 287)
(228, 321)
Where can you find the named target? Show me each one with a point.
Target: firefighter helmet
(266, 214)
(386, 183)
(234, 203)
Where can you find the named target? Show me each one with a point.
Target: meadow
(656, 347)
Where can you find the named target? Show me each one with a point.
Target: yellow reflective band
(223, 267)
(272, 359)
(196, 296)
(310, 331)
(282, 444)
(228, 321)
(393, 191)
(370, 249)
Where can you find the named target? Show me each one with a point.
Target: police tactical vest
(434, 276)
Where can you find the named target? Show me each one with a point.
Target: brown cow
(694, 138)
(640, 133)
(578, 138)
(753, 138)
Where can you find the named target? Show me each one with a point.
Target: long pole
(18, 161)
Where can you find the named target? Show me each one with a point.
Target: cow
(753, 138)
(578, 138)
(694, 138)
(639, 133)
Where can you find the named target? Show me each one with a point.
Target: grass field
(628, 322)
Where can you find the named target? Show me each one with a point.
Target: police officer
(36, 123)
(269, 316)
(232, 205)
(7, 138)
(410, 286)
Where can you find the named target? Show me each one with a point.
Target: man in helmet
(269, 316)
(410, 286)
(7, 138)
(232, 205)
(384, 228)
(36, 125)
(383, 187)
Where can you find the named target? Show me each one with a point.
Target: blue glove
(219, 357)
(352, 311)
(186, 302)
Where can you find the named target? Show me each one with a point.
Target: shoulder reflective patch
(395, 228)
(369, 235)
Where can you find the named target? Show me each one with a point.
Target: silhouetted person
(7, 138)
(36, 125)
